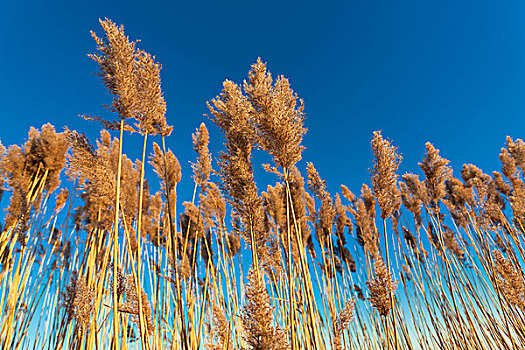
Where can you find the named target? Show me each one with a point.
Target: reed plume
(494, 205)
(459, 200)
(221, 330)
(459, 194)
(452, 244)
(275, 206)
(363, 211)
(117, 63)
(510, 278)
(341, 323)
(259, 330)
(77, 301)
(153, 222)
(3, 152)
(413, 195)
(47, 149)
(277, 118)
(326, 212)
(517, 150)
(61, 199)
(133, 78)
(231, 112)
(298, 198)
(30, 169)
(436, 171)
(341, 223)
(502, 186)
(83, 303)
(511, 159)
(168, 171)
(384, 177)
(381, 287)
(213, 207)
(92, 168)
(476, 179)
(202, 168)
(131, 305)
(150, 106)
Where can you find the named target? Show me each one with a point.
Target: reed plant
(90, 258)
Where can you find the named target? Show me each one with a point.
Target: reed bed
(91, 259)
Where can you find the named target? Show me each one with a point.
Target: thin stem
(138, 282)
(391, 292)
(115, 246)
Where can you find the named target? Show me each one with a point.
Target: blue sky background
(448, 72)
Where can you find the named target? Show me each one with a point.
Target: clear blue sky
(449, 72)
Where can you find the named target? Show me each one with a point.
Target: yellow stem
(115, 246)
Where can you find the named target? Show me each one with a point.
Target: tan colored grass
(104, 263)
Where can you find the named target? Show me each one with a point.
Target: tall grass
(100, 262)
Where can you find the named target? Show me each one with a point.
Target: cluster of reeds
(101, 262)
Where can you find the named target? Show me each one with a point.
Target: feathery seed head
(202, 168)
(326, 212)
(384, 177)
(133, 77)
(510, 279)
(341, 323)
(257, 319)
(380, 288)
(436, 171)
(278, 119)
(131, 305)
